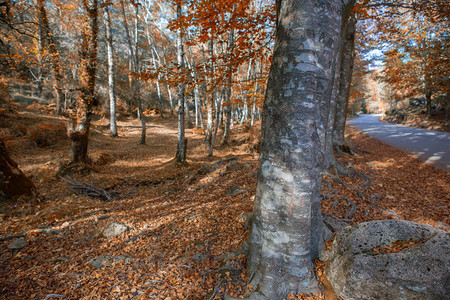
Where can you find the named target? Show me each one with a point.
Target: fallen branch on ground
(90, 190)
(7, 238)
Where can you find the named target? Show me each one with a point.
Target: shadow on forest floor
(182, 220)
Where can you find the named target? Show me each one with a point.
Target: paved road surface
(430, 146)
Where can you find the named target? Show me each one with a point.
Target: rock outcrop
(390, 259)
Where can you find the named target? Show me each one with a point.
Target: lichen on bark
(288, 230)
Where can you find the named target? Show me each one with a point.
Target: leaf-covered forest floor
(182, 221)
(416, 117)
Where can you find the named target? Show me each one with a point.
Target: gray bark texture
(210, 101)
(135, 68)
(216, 126)
(40, 54)
(447, 106)
(110, 51)
(428, 95)
(182, 143)
(288, 230)
(333, 65)
(88, 68)
(345, 81)
(57, 72)
(227, 100)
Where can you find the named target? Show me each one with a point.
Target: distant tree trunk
(227, 100)
(40, 52)
(155, 63)
(198, 109)
(182, 142)
(428, 97)
(328, 119)
(137, 92)
(160, 99)
(287, 231)
(209, 121)
(57, 73)
(158, 89)
(110, 50)
(137, 81)
(169, 92)
(79, 135)
(447, 110)
(211, 100)
(216, 127)
(135, 67)
(188, 115)
(244, 110)
(345, 81)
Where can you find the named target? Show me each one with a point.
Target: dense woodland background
(401, 53)
(148, 114)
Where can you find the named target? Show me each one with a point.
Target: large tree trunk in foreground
(88, 54)
(345, 81)
(287, 229)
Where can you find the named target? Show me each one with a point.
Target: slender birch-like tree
(110, 54)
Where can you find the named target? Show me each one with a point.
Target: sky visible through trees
(297, 67)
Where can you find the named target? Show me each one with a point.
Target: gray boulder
(357, 269)
(114, 229)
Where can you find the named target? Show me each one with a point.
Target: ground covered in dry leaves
(416, 117)
(184, 222)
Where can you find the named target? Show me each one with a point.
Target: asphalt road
(432, 147)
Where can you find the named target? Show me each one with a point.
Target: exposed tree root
(343, 149)
(342, 170)
(338, 180)
(352, 209)
(361, 150)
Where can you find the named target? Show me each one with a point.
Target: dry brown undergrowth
(182, 219)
